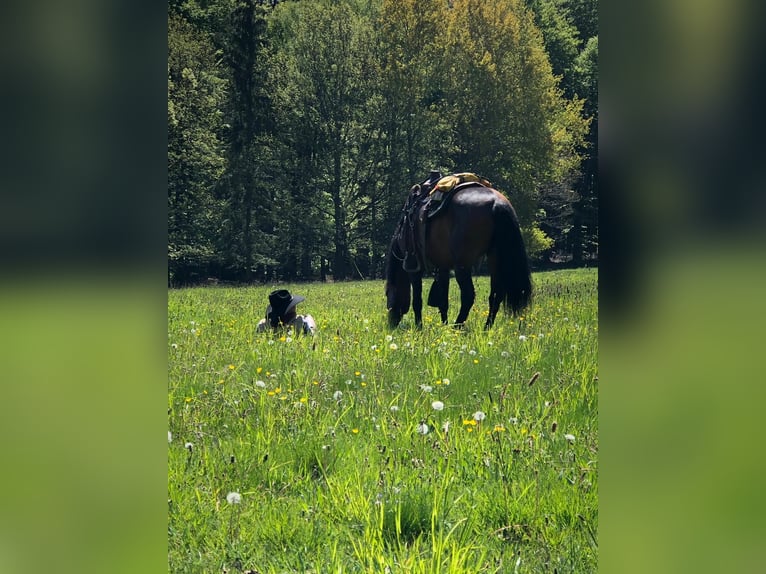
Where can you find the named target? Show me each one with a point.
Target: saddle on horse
(425, 202)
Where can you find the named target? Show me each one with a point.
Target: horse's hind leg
(467, 293)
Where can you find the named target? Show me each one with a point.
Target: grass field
(368, 450)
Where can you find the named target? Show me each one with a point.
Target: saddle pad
(449, 182)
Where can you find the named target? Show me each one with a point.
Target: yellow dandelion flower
(315, 383)
(355, 431)
(304, 399)
(283, 338)
(499, 428)
(270, 393)
(470, 422)
(278, 390)
(232, 367)
(283, 398)
(469, 429)
(524, 430)
(357, 373)
(221, 382)
(476, 361)
(258, 370)
(188, 399)
(364, 384)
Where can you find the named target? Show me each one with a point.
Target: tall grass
(342, 456)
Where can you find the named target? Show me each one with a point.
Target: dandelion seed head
(437, 405)
(337, 395)
(426, 388)
(522, 337)
(423, 429)
(389, 338)
(479, 416)
(260, 384)
(189, 446)
(570, 437)
(394, 408)
(234, 498)
(393, 346)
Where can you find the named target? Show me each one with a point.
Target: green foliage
(300, 127)
(195, 148)
(535, 240)
(323, 438)
(520, 129)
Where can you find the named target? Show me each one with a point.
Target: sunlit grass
(362, 448)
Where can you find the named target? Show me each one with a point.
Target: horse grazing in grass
(477, 221)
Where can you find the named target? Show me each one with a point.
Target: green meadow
(369, 450)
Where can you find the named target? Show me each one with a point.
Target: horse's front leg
(467, 293)
(439, 294)
(417, 298)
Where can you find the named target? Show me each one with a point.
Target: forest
(297, 127)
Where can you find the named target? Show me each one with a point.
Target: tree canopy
(296, 128)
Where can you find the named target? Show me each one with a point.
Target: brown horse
(477, 221)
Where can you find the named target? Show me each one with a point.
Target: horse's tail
(514, 277)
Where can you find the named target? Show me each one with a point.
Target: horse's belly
(448, 247)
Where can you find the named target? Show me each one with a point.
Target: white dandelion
(570, 437)
(189, 446)
(423, 429)
(394, 408)
(234, 498)
(437, 405)
(260, 384)
(337, 395)
(522, 337)
(393, 346)
(479, 416)
(426, 388)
